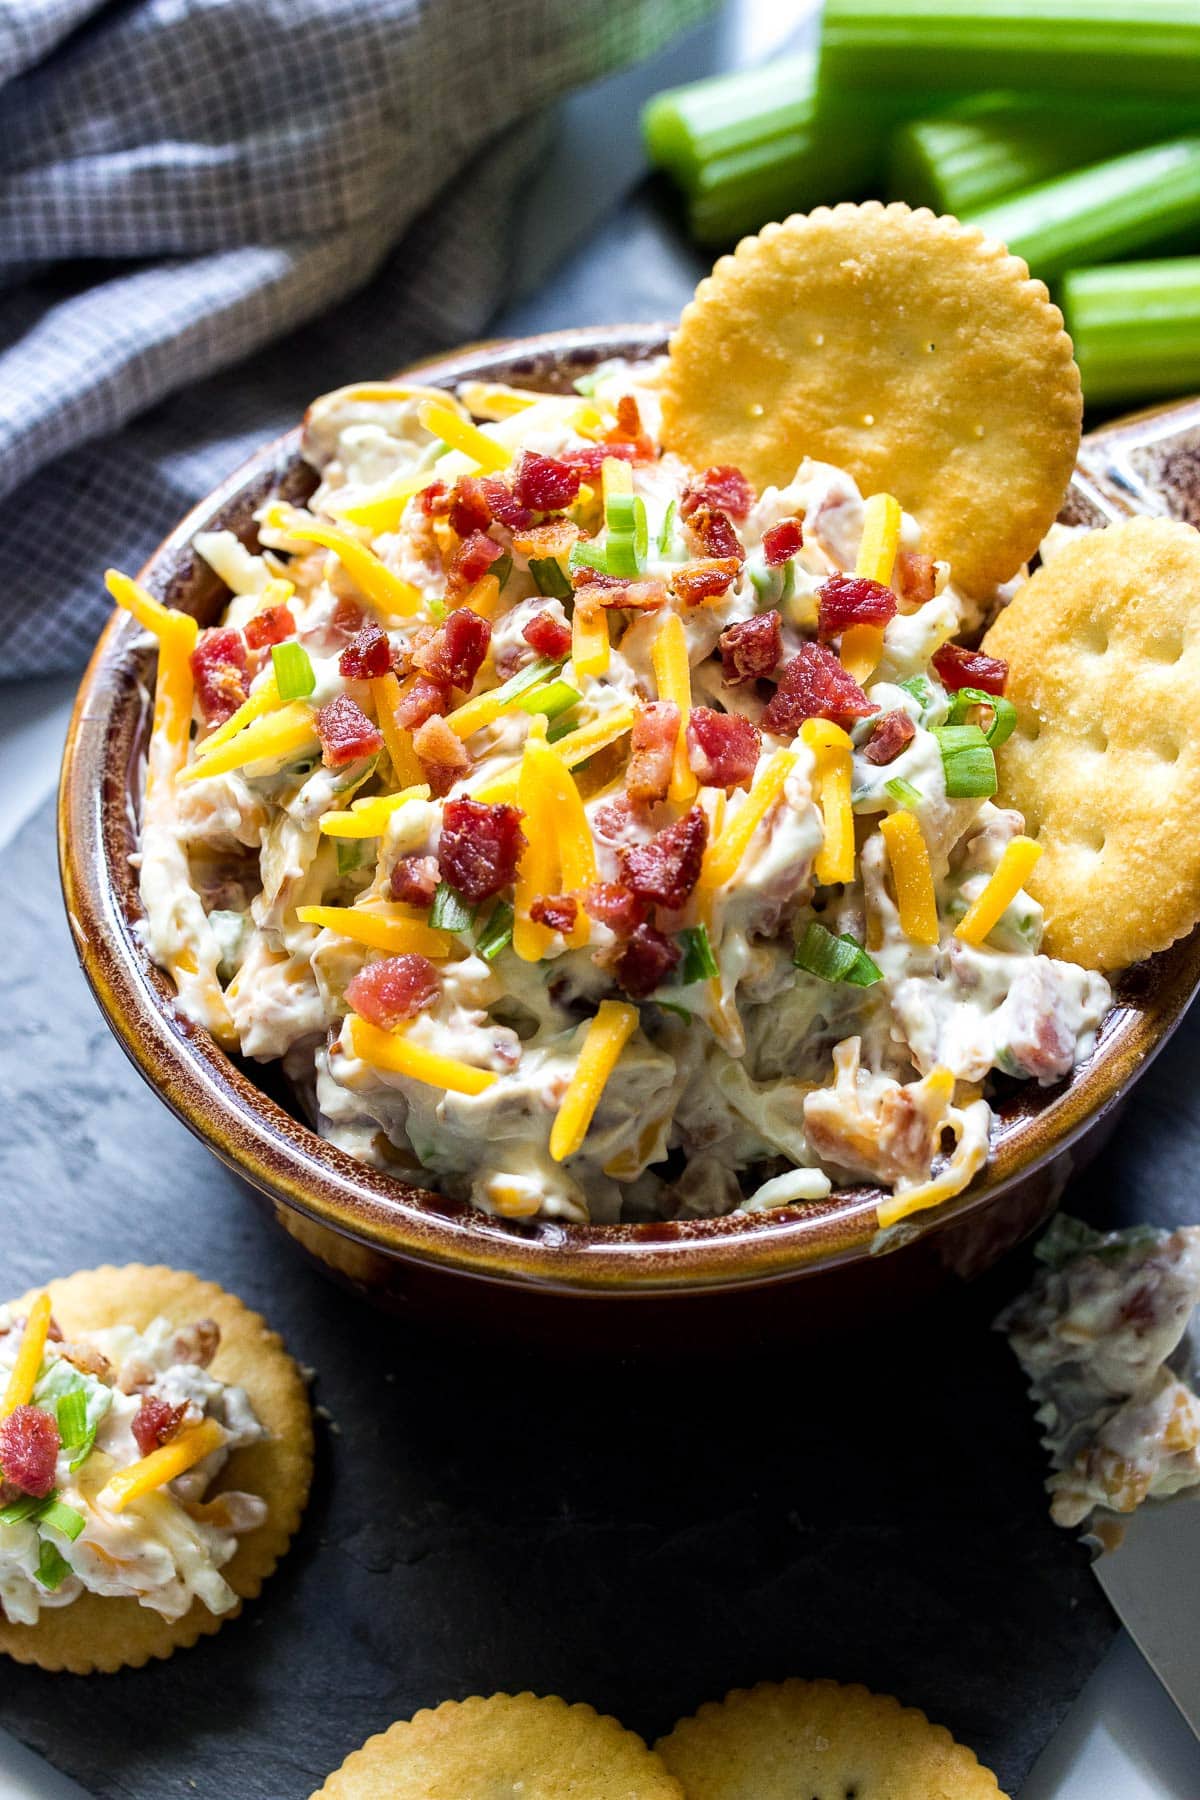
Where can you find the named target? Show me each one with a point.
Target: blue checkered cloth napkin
(187, 187)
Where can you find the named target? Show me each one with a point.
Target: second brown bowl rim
(287, 1162)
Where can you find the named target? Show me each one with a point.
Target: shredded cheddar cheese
(369, 818)
(289, 733)
(833, 752)
(25, 1369)
(724, 855)
(912, 877)
(862, 645)
(390, 929)
(387, 592)
(616, 477)
(607, 1035)
(382, 511)
(537, 872)
(264, 699)
(177, 633)
(191, 1446)
(1019, 859)
(385, 692)
(486, 452)
(591, 646)
(496, 400)
(673, 674)
(393, 1051)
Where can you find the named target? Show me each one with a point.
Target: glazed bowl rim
(300, 1172)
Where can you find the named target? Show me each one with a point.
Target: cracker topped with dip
(597, 800)
(155, 1458)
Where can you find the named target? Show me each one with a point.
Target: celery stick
(1136, 328)
(992, 145)
(1149, 47)
(744, 148)
(1147, 197)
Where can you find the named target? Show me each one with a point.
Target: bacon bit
(553, 538)
(667, 868)
(652, 752)
(346, 733)
(433, 499)
(442, 754)
(29, 1445)
(780, 542)
(914, 577)
(558, 912)
(852, 600)
(197, 1343)
(469, 508)
(588, 461)
(959, 668)
(629, 418)
(480, 847)
(814, 685)
(548, 635)
(473, 558)
(156, 1422)
(613, 820)
(722, 747)
(219, 669)
(613, 594)
(704, 580)
(891, 734)
(368, 656)
(713, 531)
(543, 483)
(420, 701)
(751, 648)
(506, 508)
(347, 617)
(454, 653)
(644, 962)
(414, 880)
(397, 988)
(723, 486)
(611, 903)
(272, 625)
(88, 1360)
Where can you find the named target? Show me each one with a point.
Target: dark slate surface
(642, 1536)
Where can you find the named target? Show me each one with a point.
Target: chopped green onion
(1148, 47)
(349, 855)
(524, 679)
(699, 963)
(666, 530)
(294, 673)
(62, 1517)
(501, 569)
(832, 958)
(53, 1568)
(437, 609)
(18, 1511)
(988, 146)
(681, 1012)
(553, 698)
(1135, 327)
(918, 686)
(72, 1417)
(549, 577)
(449, 911)
(587, 554)
(628, 534)
(1097, 214)
(1004, 713)
(968, 765)
(586, 385)
(903, 792)
(497, 933)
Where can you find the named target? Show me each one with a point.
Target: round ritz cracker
(1103, 648)
(911, 351)
(96, 1634)
(541, 1749)
(817, 1740)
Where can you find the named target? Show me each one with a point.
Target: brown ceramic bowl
(809, 1266)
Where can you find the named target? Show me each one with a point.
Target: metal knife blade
(1151, 1575)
